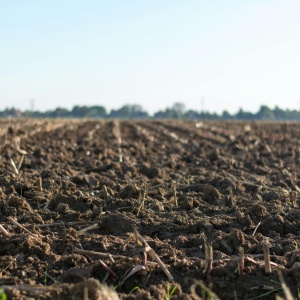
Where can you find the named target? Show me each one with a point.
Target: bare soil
(184, 187)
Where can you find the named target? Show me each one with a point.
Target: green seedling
(134, 289)
(206, 292)
(170, 292)
(3, 295)
(45, 277)
(269, 292)
(265, 294)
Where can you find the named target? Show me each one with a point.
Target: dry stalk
(241, 263)
(85, 293)
(32, 288)
(106, 194)
(208, 261)
(268, 268)
(261, 255)
(66, 223)
(14, 166)
(144, 263)
(17, 144)
(23, 228)
(97, 254)
(40, 184)
(293, 198)
(256, 228)
(109, 256)
(84, 230)
(153, 255)
(9, 264)
(130, 272)
(20, 163)
(246, 258)
(175, 194)
(4, 231)
(143, 194)
(108, 269)
(286, 290)
(259, 263)
(157, 186)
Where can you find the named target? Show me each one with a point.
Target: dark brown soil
(182, 185)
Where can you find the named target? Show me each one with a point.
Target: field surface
(154, 209)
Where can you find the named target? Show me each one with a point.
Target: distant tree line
(135, 111)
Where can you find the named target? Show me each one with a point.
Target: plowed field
(153, 209)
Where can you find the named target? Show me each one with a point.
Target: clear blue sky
(234, 53)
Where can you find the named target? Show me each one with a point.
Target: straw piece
(268, 268)
(154, 256)
(4, 231)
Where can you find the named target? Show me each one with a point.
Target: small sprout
(134, 290)
(206, 292)
(170, 292)
(45, 277)
(273, 290)
(3, 295)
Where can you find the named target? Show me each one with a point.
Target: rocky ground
(153, 209)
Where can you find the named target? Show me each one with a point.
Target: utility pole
(202, 105)
(32, 105)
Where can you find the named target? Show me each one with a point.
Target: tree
(96, 112)
(244, 115)
(129, 111)
(265, 113)
(226, 115)
(278, 113)
(60, 113)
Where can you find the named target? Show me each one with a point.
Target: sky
(212, 55)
